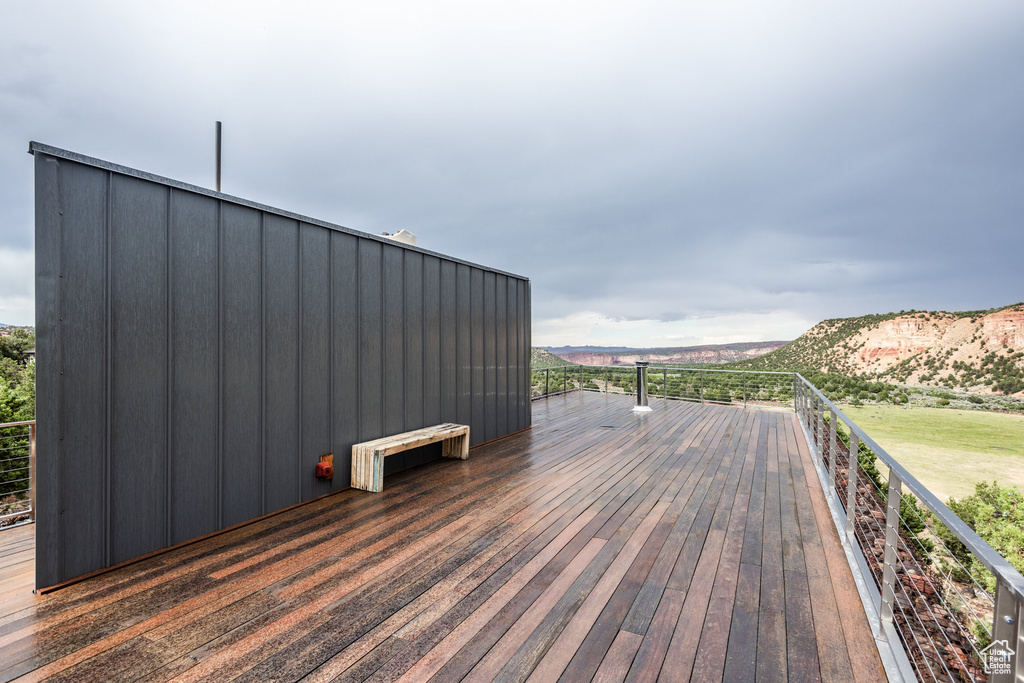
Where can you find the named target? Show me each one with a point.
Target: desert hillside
(542, 358)
(978, 351)
(712, 353)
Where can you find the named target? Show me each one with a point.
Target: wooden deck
(691, 543)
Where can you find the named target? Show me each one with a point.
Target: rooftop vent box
(403, 236)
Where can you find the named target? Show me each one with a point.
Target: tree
(14, 345)
(996, 513)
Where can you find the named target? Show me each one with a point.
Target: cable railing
(954, 622)
(17, 472)
(701, 385)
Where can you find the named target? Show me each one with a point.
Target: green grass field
(948, 450)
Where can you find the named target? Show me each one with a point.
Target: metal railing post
(851, 487)
(832, 454)
(565, 377)
(744, 389)
(806, 400)
(547, 376)
(819, 413)
(32, 470)
(605, 373)
(796, 400)
(1006, 626)
(811, 400)
(809, 406)
(805, 407)
(892, 536)
(664, 382)
(702, 386)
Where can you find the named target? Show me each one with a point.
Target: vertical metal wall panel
(315, 344)
(501, 355)
(83, 404)
(464, 347)
(490, 359)
(371, 341)
(478, 419)
(345, 332)
(194, 351)
(512, 321)
(528, 322)
(448, 341)
(524, 313)
(197, 353)
(394, 346)
(410, 350)
(240, 470)
(50, 524)
(528, 326)
(412, 333)
(281, 362)
(139, 355)
(432, 396)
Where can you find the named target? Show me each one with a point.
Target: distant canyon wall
(701, 354)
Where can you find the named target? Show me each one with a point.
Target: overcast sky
(666, 173)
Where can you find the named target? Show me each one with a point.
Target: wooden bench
(368, 457)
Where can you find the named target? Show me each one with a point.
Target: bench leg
(378, 473)
(368, 472)
(456, 447)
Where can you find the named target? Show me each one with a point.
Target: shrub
(996, 513)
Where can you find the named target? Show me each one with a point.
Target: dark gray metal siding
(197, 353)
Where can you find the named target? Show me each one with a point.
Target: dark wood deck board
(771, 632)
(684, 543)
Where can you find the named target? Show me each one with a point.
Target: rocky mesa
(980, 351)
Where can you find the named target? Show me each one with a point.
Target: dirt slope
(542, 358)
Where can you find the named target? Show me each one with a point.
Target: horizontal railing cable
(17, 472)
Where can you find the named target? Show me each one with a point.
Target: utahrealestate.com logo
(998, 657)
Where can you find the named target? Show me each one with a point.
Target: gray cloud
(673, 162)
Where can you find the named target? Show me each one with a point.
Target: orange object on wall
(325, 468)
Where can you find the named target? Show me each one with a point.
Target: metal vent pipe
(641, 386)
(218, 154)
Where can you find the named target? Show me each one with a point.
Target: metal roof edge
(34, 147)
